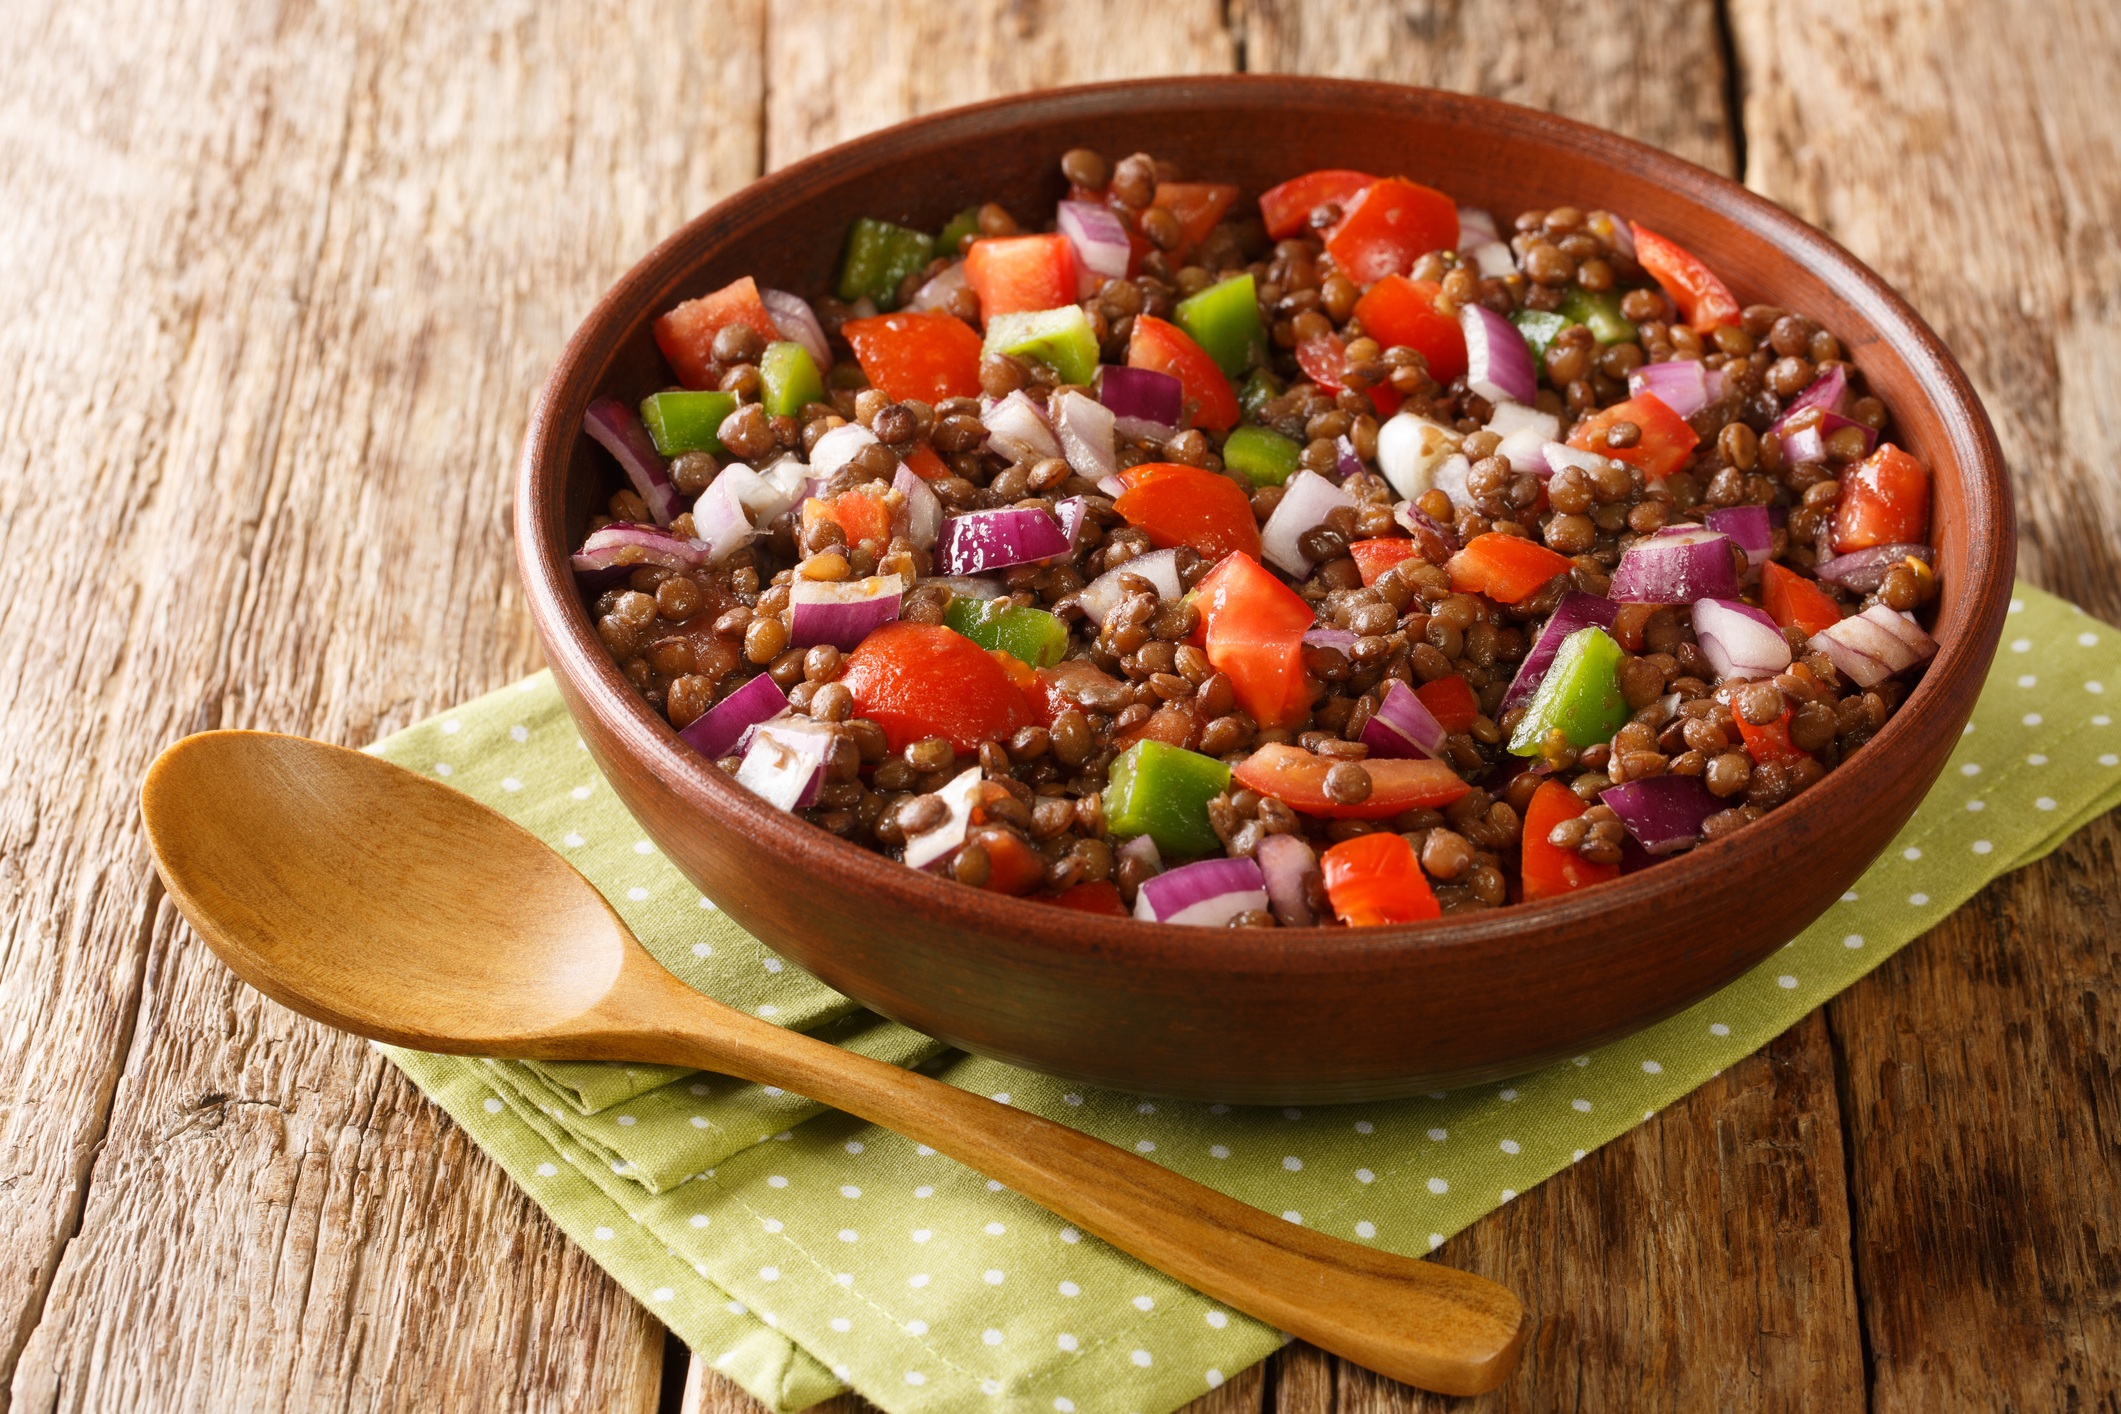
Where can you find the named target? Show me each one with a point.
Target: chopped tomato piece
(1884, 501)
(1374, 879)
(1389, 225)
(1373, 557)
(1165, 347)
(1173, 724)
(1197, 205)
(1506, 568)
(1549, 871)
(686, 333)
(921, 680)
(1100, 897)
(924, 463)
(862, 517)
(1013, 866)
(1451, 702)
(1056, 689)
(1771, 742)
(1252, 628)
(1399, 311)
(1287, 208)
(923, 356)
(1663, 443)
(1183, 505)
(1013, 274)
(1298, 778)
(1704, 301)
(1324, 361)
(1793, 601)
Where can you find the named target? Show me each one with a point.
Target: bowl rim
(1967, 639)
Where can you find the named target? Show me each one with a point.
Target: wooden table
(277, 283)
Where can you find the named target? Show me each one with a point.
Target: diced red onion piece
(1071, 514)
(715, 732)
(1102, 595)
(1507, 419)
(618, 429)
(1450, 478)
(1017, 429)
(1205, 895)
(1101, 245)
(719, 517)
(1751, 529)
(1341, 638)
(1346, 462)
(1498, 365)
(1809, 444)
(1864, 570)
(934, 848)
(966, 586)
(1284, 861)
(784, 767)
(1676, 566)
(1575, 611)
(1409, 450)
(1560, 456)
(1144, 395)
(1438, 541)
(1739, 640)
(1112, 486)
(838, 447)
(924, 509)
(937, 292)
(1084, 426)
(1403, 727)
(1494, 260)
(1143, 848)
(1475, 228)
(1306, 499)
(1874, 645)
(611, 548)
(992, 540)
(841, 613)
(1828, 392)
(1663, 812)
(1681, 384)
(798, 323)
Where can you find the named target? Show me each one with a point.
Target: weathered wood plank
(280, 282)
(1969, 152)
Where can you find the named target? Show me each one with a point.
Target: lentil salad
(1380, 562)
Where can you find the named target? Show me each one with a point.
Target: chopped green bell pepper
(1539, 326)
(680, 422)
(1033, 635)
(1265, 457)
(1579, 697)
(880, 255)
(1059, 337)
(1224, 320)
(1600, 312)
(1259, 390)
(788, 378)
(1163, 792)
(965, 223)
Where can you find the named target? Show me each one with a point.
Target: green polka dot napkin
(801, 1252)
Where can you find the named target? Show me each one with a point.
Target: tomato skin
(1388, 226)
(1049, 694)
(1373, 557)
(1549, 871)
(1451, 702)
(1771, 742)
(1324, 361)
(1704, 301)
(1401, 311)
(1100, 897)
(1287, 209)
(1183, 505)
(1884, 501)
(1252, 628)
(1375, 879)
(1018, 274)
(1793, 601)
(1297, 778)
(1197, 205)
(1013, 865)
(921, 680)
(1506, 568)
(926, 356)
(924, 463)
(1163, 346)
(686, 334)
(1663, 447)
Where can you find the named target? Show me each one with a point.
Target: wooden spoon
(391, 906)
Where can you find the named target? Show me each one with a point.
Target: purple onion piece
(991, 540)
(937, 292)
(934, 848)
(1071, 513)
(1403, 727)
(618, 430)
(1739, 640)
(784, 767)
(1681, 384)
(1346, 462)
(624, 544)
(1142, 393)
(1307, 498)
(1284, 861)
(1828, 392)
(1438, 541)
(1874, 645)
(924, 509)
(838, 447)
(798, 323)
(1665, 813)
(841, 613)
(1102, 595)
(1143, 848)
(715, 732)
(1575, 611)
(1085, 428)
(1017, 428)
(1809, 445)
(1341, 638)
(1102, 249)
(1676, 566)
(1864, 570)
(1207, 894)
(1498, 365)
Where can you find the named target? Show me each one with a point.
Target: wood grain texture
(279, 283)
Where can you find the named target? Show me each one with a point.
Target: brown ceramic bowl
(1268, 1015)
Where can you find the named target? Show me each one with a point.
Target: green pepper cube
(1259, 390)
(1599, 312)
(1265, 457)
(1224, 320)
(1061, 338)
(1579, 697)
(1032, 635)
(965, 223)
(788, 378)
(1539, 326)
(880, 255)
(1163, 792)
(680, 422)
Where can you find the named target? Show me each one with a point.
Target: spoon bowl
(386, 904)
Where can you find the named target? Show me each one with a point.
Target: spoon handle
(1427, 1325)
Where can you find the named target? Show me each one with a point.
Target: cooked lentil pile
(1339, 557)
